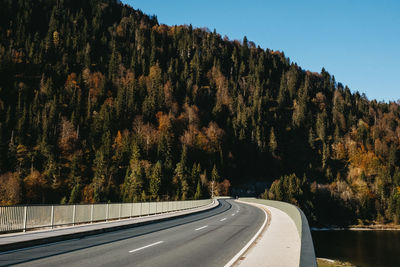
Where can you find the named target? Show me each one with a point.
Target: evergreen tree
(155, 180)
(215, 175)
(273, 144)
(198, 194)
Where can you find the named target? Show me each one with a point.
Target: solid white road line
(156, 243)
(222, 220)
(201, 228)
(237, 256)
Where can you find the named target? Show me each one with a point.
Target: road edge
(263, 227)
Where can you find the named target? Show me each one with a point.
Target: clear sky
(358, 41)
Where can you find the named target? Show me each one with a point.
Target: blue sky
(358, 41)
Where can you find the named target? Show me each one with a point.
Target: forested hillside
(99, 102)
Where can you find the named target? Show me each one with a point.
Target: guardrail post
(91, 214)
(73, 215)
(52, 216)
(107, 207)
(25, 217)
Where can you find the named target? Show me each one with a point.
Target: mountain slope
(99, 102)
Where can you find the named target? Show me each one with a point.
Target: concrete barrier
(307, 253)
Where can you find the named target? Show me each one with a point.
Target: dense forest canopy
(99, 102)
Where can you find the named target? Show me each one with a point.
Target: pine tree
(273, 144)
(320, 126)
(194, 177)
(100, 175)
(181, 175)
(283, 94)
(214, 174)
(155, 180)
(198, 194)
(137, 177)
(75, 181)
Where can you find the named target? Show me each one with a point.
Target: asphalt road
(209, 238)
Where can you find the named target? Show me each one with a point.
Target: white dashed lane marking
(154, 244)
(201, 227)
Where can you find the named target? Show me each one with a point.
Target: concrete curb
(102, 228)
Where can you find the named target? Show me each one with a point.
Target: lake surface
(362, 248)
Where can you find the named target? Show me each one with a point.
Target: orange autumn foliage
(366, 161)
(117, 141)
(10, 189)
(164, 122)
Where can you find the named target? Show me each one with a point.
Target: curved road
(210, 238)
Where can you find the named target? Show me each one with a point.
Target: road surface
(209, 238)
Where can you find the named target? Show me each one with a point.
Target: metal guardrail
(22, 218)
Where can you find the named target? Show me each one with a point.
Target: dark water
(361, 248)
